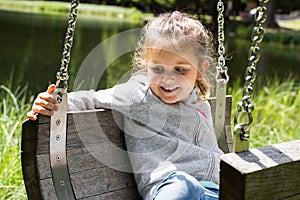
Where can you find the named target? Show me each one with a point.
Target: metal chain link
(221, 67)
(59, 167)
(221, 77)
(245, 107)
(62, 75)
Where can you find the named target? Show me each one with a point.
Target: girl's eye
(180, 70)
(158, 69)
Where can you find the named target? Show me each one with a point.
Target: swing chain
(221, 76)
(62, 75)
(58, 124)
(221, 68)
(245, 107)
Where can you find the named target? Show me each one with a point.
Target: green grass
(291, 38)
(276, 113)
(276, 117)
(129, 15)
(13, 109)
(271, 36)
(290, 24)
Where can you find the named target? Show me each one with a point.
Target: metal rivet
(57, 137)
(58, 122)
(59, 99)
(62, 183)
(58, 157)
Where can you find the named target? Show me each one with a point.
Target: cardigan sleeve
(121, 97)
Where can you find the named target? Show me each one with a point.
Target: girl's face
(171, 77)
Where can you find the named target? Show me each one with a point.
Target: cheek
(189, 81)
(153, 77)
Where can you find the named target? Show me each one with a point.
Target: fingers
(31, 115)
(44, 104)
(48, 103)
(51, 89)
(47, 96)
(37, 109)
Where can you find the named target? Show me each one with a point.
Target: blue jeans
(182, 186)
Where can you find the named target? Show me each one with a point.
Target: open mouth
(169, 89)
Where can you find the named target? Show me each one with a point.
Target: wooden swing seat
(91, 179)
(266, 173)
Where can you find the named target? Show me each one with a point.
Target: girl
(167, 121)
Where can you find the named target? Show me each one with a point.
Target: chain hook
(221, 74)
(62, 75)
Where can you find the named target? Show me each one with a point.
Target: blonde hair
(175, 33)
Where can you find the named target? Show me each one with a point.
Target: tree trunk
(236, 5)
(212, 9)
(271, 22)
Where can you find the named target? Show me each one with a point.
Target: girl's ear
(203, 68)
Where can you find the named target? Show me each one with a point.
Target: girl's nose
(168, 77)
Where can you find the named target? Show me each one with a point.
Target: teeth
(169, 88)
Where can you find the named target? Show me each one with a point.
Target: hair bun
(176, 14)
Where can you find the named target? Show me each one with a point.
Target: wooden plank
(212, 102)
(47, 189)
(99, 143)
(97, 162)
(270, 172)
(91, 137)
(128, 194)
(225, 140)
(29, 163)
(99, 181)
(33, 189)
(84, 128)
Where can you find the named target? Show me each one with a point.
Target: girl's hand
(44, 104)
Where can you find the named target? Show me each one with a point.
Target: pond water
(31, 47)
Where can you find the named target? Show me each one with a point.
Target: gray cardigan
(160, 138)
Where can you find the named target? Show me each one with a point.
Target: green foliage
(131, 15)
(242, 31)
(167, 3)
(287, 6)
(276, 116)
(285, 37)
(13, 109)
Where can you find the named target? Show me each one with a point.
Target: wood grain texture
(91, 142)
(98, 164)
(270, 172)
(225, 141)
